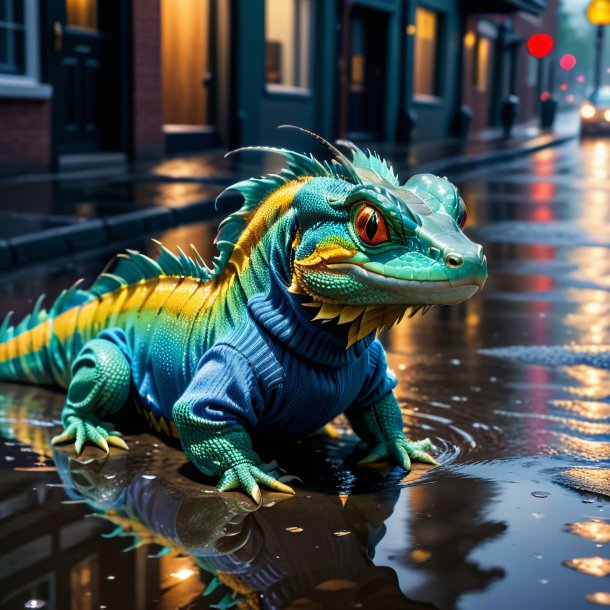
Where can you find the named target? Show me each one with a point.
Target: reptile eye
(371, 226)
(462, 215)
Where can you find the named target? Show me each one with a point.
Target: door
(367, 61)
(84, 52)
(188, 48)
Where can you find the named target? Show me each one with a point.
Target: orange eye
(371, 226)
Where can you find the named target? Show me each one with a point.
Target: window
(483, 59)
(287, 44)
(12, 37)
(426, 53)
(82, 14)
(19, 67)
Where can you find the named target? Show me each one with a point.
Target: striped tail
(30, 351)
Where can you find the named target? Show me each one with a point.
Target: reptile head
(368, 248)
(383, 245)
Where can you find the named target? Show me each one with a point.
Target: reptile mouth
(416, 292)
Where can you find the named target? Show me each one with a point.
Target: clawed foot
(248, 477)
(82, 431)
(402, 452)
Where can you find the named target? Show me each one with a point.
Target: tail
(32, 351)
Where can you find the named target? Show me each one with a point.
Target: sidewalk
(50, 215)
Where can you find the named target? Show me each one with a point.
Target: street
(512, 387)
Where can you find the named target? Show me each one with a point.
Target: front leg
(223, 450)
(381, 427)
(223, 398)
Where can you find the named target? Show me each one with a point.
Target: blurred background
(87, 82)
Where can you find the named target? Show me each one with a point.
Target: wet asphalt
(513, 388)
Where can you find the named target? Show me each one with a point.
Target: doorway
(187, 54)
(367, 61)
(86, 62)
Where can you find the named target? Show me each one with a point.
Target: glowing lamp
(564, 86)
(568, 61)
(544, 96)
(598, 12)
(587, 111)
(580, 78)
(540, 45)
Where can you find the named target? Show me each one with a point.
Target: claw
(255, 492)
(64, 437)
(102, 444)
(117, 441)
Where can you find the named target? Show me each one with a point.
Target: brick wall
(147, 99)
(25, 135)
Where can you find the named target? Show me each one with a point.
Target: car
(595, 112)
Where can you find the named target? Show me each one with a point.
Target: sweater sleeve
(379, 380)
(225, 389)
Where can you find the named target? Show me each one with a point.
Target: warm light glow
(540, 45)
(607, 115)
(570, 99)
(411, 30)
(598, 531)
(182, 573)
(564, 86)
(600, 597)
(568, 61)
(598, 12)
(470, 40)
(595, 566)
(184, 61)
(587, 111)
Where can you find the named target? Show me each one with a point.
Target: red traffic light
(540, 45)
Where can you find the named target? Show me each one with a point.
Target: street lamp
(598, 13)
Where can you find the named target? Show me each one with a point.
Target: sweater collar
(283, 315)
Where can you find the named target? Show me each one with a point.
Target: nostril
(454, 261)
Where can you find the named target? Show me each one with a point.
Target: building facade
(124, 80)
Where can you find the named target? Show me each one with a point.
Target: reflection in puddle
(595, 566)
(594, 480)
(601, 597)
(596, 530)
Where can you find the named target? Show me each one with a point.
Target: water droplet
(110, 476)
(493, 379)
(588, 501)
(455, 362)
(342, 533)
(35, 603)
(537, 516)
(543, 581)
(294, 529)
(540, 494)
(537, 556)
(149, 476)
(209, 491)
(9, 458)
(110, 577)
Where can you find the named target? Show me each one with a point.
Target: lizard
(275, 339)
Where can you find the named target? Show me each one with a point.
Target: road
(512, 387)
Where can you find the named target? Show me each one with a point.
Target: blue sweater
(282, 377)
(278, 375)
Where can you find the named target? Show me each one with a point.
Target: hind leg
(100, 386)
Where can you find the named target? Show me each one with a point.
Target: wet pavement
(513, 387)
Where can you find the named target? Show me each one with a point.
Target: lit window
(287, 44)
(82, 14)
(481, 79)
(426, 53)
(19, 52)
(12, 37)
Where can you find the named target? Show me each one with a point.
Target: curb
(88, 234)
(451, 165)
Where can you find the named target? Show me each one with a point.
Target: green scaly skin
(357, 246)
